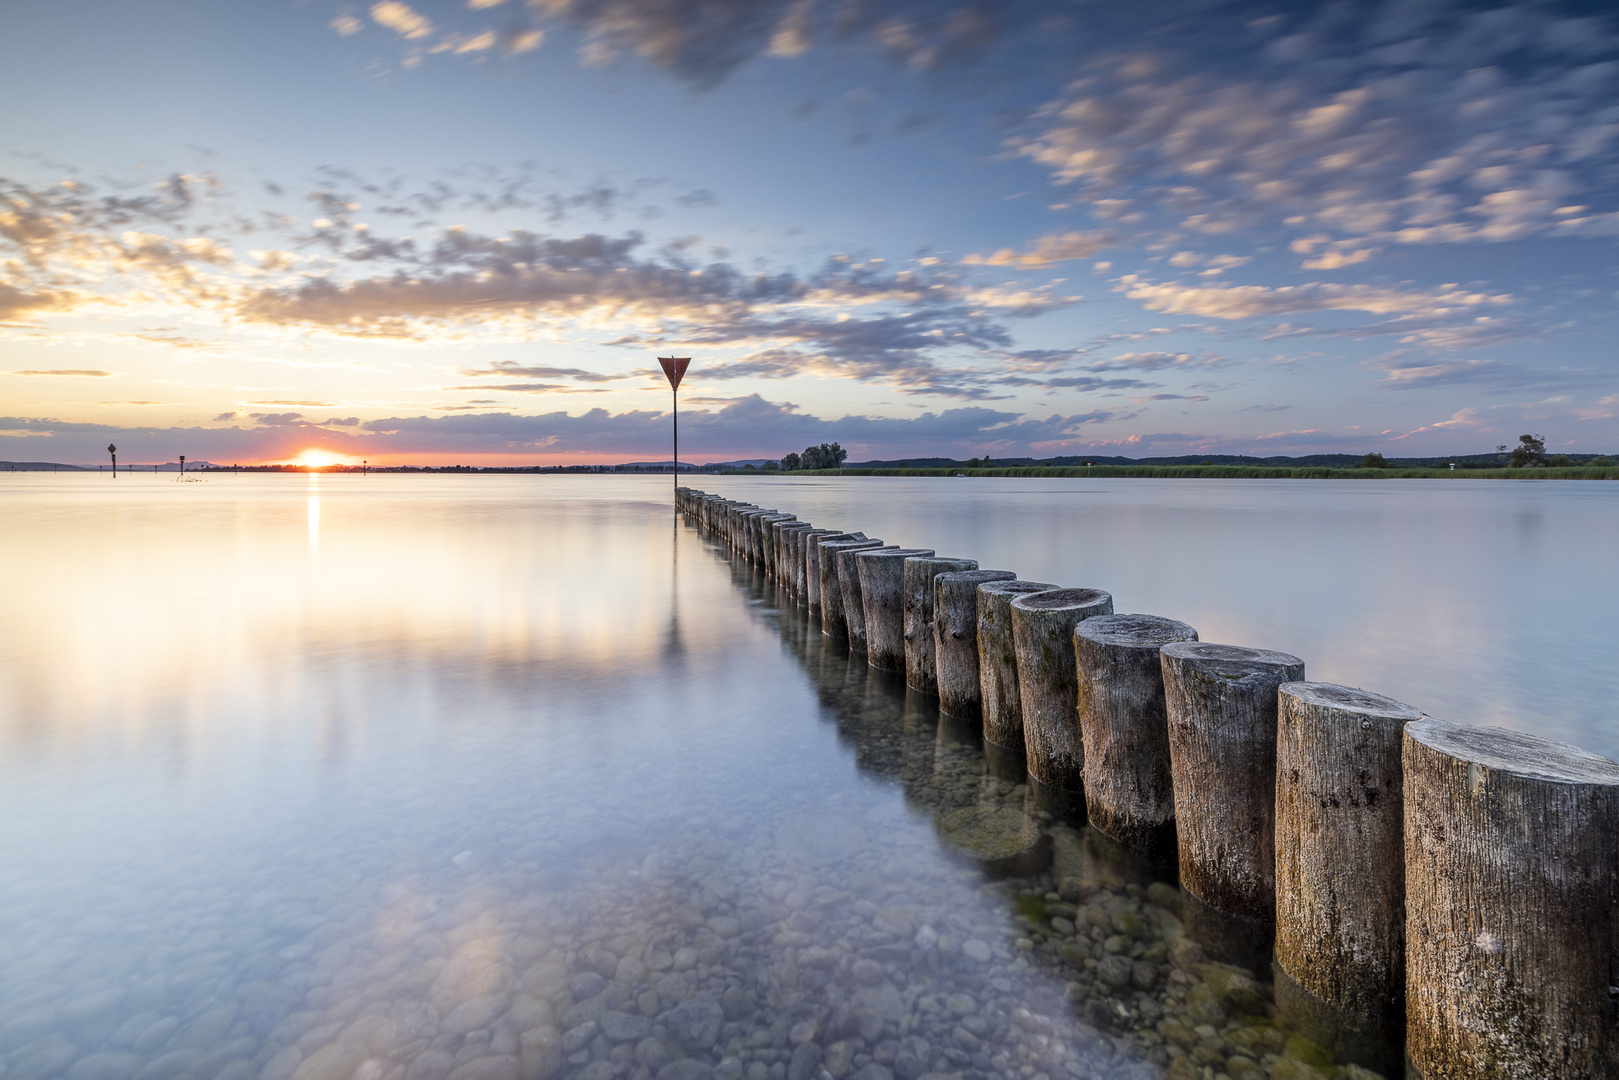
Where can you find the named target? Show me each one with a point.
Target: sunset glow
(1175, 231)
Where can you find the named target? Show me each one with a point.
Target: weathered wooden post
(955, 639)
(920, 655)
(834, 619)
(812, 566)
(764, 539)
(780, 566)
(750, 532)
(1002, 704)
(882, 589)
(1340, 869)
(854, 601)
(1222, 750)
(1509, 905)
(1129, 794)
(1043, 635)
(803, 559)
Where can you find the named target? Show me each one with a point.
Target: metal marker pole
(674, 368)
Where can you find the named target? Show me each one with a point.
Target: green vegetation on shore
(1259, 472)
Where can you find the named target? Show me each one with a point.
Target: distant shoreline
(1232, 472)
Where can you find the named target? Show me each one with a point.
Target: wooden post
(854, 601)
(1002, 705)
(814, 567)
(1128, 791)
(834, 624)
(803, 559)
(778, 563)
(1340, 936)
(882, 589)
(750, 532)
(1043, 634)
(764, 537)
(955, 639)
(920, 655)
(1222, 750)
(1509, 881)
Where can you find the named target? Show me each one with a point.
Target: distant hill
(40, 466)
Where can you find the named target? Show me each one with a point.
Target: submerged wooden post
(1001, 703)
(1043, 634)
(1129, 794)
(833, 621)
(1509, 864)
(1222, 750)
(1340, 869)
(882, 589)
(955, 639)
(919, 572)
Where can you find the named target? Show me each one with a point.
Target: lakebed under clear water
(398, 777)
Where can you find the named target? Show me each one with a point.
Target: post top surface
(1350, 699)
(1052, 599)
(893, 553)
(1015, 587)
(1226, 658)
(1514, 752)
(1135, 631)
(853, 543)
(975, 577)
(961, 565)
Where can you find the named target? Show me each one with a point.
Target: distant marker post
(675, 368)
(113, 450)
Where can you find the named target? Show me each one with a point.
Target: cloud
(94, 373)
(1235, 302)
(1152, 361)
(511, 369)
(1450, 125)
(531, 388)
(1411, 371)
(1046, 251)
(401, 19)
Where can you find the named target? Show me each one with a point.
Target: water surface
(406, 777)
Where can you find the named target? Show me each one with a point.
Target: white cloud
(401, 19)
(1254, 301)
(1046, 251)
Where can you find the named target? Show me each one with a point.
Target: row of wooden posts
(1444, 888)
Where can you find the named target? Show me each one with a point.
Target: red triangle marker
(675, 368)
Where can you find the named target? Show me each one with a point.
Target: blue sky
(444, 232)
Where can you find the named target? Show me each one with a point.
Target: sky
(461, 233)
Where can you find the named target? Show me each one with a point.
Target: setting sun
(317, 459)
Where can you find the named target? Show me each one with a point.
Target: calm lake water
(410, 777)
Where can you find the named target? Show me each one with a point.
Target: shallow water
(405, 777)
